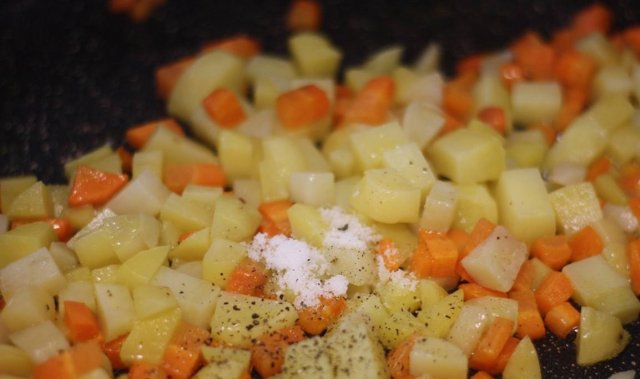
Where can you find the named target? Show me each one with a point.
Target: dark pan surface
(73, 76)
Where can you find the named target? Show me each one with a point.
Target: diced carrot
(510, 74)
(554, 251)
(556, 288)
(575, 70)
(459, 237)
(481, 375)
(505, 354)
(524, 279)
(585, 243)
(421, 261)
(493, 340)
(126, 158)
(275, 219)
(117, 6)
(371, 105)
(224, 107)
(634, 205)
(344, 98)
(398, 360)
(315, 320)
(457, 101)
(631, 37)
(241, 46)
(304, 15)
(145, 370)
(86, 356)
(72, 363)
(112, 350)
(95, 187)
(138, 135)
(267, 355)
(633, 257)
(594, 18)
(182, 355)
(530, 321)
(494, 117)
(2, 303)
(444, 254)
(177, 176)
(470, 63)
(629, 178)
(390, 254)
(167, 76)
(572, 105)
(474, 291)
(564, 39)
(548, 132)
(302, 106)
(562, 319)
(527, 39)
(248, 278)
(81, 322)
(598, 167)
(535, 59)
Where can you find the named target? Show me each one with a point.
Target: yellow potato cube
(576, 206)
(221, 259)
(234, 220)
(473, 203)
(369, 145)
(33, 203)
(149, 338)
(24, 240)
(140, 268)
(150, 301)
(409, 162)
(314, 55)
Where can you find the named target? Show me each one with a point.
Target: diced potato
(473, 203)
(12, 187)
(354, 350)
(523, 362)
(609, 190)
(237, 153)
(422, 122)
(307, 224)
(80, 291)
(611, 80)
(437, 358)
(314, 55)
(193, 247)
(95, 249)
(210, 71)
(430, 293)
(33, 203)
(14, 361)
(498, 307)
(221, 259)
(576, 206)
(282, 156)
(149, 338)
(440, 316)
(64, 257)
(525, 208)
(150, 301)
(427, 89)
(370, 306)
(140, 268)
(41, 341)
(496, 261)
(384, 61)
(309, 359)
(178, 149)
(132, 233)
(526, 148)
(356, 77)
(107, 274)
(611, 112)
(469, 326)
(235, 322)
(583, 140)
(386, 196)
(248, 190)
(429, 58)
(234, 220)
(87, 159)
(79, 217)
(144, 194)
(358, 266)
(196, 297)
(398, 296)
(115, 309)
(187, 215)
(147, 161)
(268, 66)
(27, 307)
(312, 188)
(620, 302)
(624, 144)
(600, 337)
(598, 47)
(24, 240)
(489, 91)
(409, 161)
(369, 145)
(535, 101)
(567, 173)
(37, 269)
(468, 156)
(440, 206)
(224, 363)
(404, 239)
(314, 159)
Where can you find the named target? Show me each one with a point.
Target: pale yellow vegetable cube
(371, 306)
(248, 190)
(187, 215)
(440, 316)
(384, 61)
(583, 141)
(222, 257)
(237, 153)
(193, 247)
(600, 337)
(468, 156)
(140, 268)
(404, 79)
(356, 77)
(147, 161)
(106, 274)
(33, 203)
(309, 359)
(12, 187)
(307, 224)
(422, 122)
(609, 190)
(469, 326)
(576, 206)
(115, 309)
(169, 234)
(409, 161)
(37, 269)
(620, 302)
(27, 307)
(473, 203)
(427, 89)
(14, 361)
(523, 363)
(404, 238)
(611, 112)
(64, 257)
(437, 358)
(177, 149)
(234, 220)
(144, 194)
(269, 66)
(312, 188)
(196, 297)
(149, 338)
(598, 47)
(150, 301)
(41, 341)
(399, 326)
(386, 196)
(95, 249)
(210, 71)
(489, 91)
(535, 101)
(624, 144)
(524, 204)
(498, 307)
(526, 148)
(87, 159)
(224, 363)
(132, 233)
(398, 296)
(80, 291)
(24, 240)
(238, 319)
(314, 159)
(496, 261)
(429, 58)
(282, 156)
(369, 145)
(430, 292)
(440, 207)
(612, 80)
(314, 55)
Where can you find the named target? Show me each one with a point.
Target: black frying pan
(73, 76)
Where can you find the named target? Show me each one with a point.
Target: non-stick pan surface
(73, 76)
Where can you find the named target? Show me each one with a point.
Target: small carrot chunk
(94, 187)
(302, 106)
(536, 60)
(81, 322)
(495, 118)
(598, 167)
(248, 278)
(224, 107)
(398, 360)
(629, 179)
(112, 350)
(486, 352)
(267, 355)
(556, 288)
(474, 291)
(275, 219)
(585, 243)
(594, 18)
(631, 38)
(304, 15)
(554, 251)
(633, 257)
(390, 254)
(634, 205)
(524, 279)
(371, 105)
(241, 46)
(315, 320)
(457, 100)
(126, 158)
(167, 76)
(562, 319)
(505, 354)
(138, 135)
(177, 176)
(182, 356)
(530, 321)
(575, 70)
(481, 375)
(145, 370)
